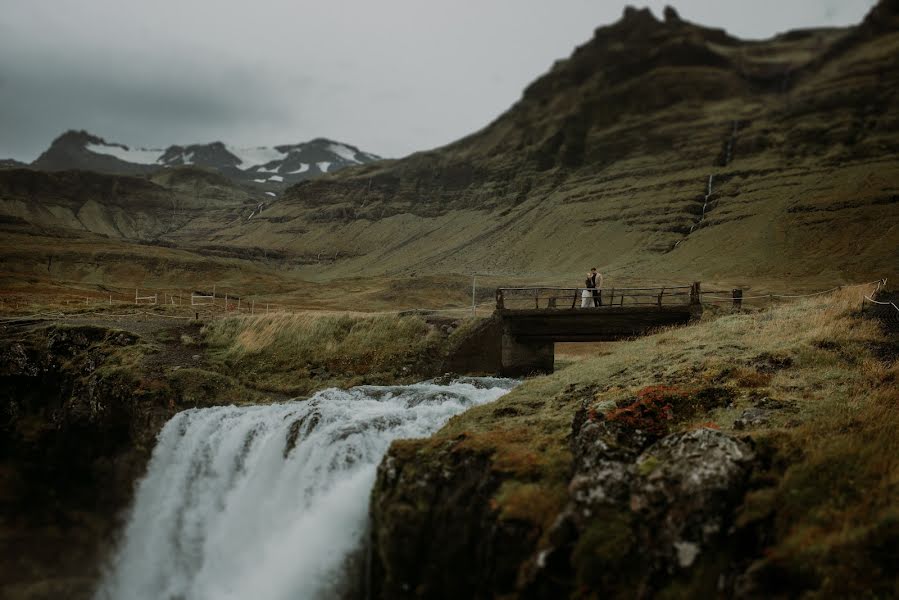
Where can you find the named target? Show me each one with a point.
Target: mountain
(76, 150)
(269, 165)
(126, 207)
(11, 163)
(267, 168)
(659, 149)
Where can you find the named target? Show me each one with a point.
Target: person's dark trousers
(597, 297)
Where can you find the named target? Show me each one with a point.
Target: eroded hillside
(659, 151)
(657, 148)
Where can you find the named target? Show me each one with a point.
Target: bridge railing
(523, 298)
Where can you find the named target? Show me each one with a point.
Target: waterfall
(267, 502)
(705, 203)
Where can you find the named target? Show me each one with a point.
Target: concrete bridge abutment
(522, 357)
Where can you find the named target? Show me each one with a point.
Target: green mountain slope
(659, 151)
(607, 158)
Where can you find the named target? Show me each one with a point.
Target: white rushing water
(266, 502)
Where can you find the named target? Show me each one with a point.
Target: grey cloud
(146, 106)
(392, 77)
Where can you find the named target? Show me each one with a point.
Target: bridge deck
(591, 324)
(533, 319)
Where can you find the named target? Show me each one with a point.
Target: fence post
(252, 305)
(695, 293)
(662, 293)
(135, 295)
(738, 298)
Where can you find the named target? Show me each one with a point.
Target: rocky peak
(72, 150)
(77, 138)
(214, 155)
(671, 15)
(883, 17)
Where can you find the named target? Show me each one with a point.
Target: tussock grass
(293, 353)
(828, 494)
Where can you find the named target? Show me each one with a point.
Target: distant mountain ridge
(11, 163)
(266, 167)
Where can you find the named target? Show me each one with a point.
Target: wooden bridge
(534, 319)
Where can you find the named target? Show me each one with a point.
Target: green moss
(535, 503)
(648, 466)
(198, 387)
(602, 558)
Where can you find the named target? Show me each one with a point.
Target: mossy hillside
(827, 390)
(294, 353)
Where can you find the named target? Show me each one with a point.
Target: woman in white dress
(589, 296)
(586, 298)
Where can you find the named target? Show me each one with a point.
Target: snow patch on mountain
(141, 156)
(343, 152)
(275, 166)
(251, 157)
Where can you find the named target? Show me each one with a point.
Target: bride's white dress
(587, 298)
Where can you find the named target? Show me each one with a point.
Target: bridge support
(524, 357)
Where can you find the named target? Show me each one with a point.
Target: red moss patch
(652, 411)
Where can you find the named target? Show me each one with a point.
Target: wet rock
(15, 360)
(752, 417)
(434, 532)
(685, 499)
(641, 509)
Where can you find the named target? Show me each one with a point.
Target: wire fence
(179, 305)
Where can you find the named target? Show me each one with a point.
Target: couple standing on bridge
(592, 294)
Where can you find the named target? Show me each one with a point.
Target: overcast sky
(389, 76)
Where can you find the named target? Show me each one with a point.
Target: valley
(606, 160)
(750, 453)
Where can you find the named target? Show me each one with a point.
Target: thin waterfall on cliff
(269, 502)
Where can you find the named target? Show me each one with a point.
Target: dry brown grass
(294, 352)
